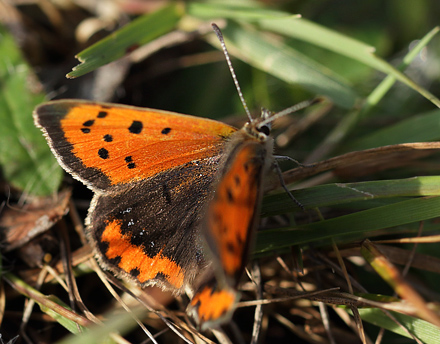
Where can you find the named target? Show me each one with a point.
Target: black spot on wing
(246, 166)
(130, 163)
(135, 272)
(115, 261)
(102, 114)
(103, 153)
(230, 247)
(108, 138)
(166, 131)
(135, 127)
(85, 130)
(237, 180)
(89, 123)
(229, 195)
(161, 276)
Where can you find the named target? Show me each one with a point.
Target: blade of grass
(394, 278)
(349, 122)
(240, 10)
(419, 128)
(423, 330)
(50, 305)
(334, 41)
(115, 323)
(232, 10)
(142, 30)
(285, 63)
(345, 193)
(397, 214)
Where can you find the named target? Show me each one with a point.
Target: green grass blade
(348, 123)
(25, 159)
(321, 36)
(383, 88)
(232, 10)
(51, 305)
(346, 193)
(419, 128)
(287, 64)
(142, 30)
(423, 330)
(397, 214)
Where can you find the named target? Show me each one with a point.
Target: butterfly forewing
(107, 144)
(230, 224)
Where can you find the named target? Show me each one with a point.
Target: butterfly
(175, 196)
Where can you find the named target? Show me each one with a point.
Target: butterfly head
(260, 128)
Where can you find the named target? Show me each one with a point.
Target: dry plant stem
(356, 314)
(66, 255)
(399, 256)
(404, 273)
(309, 337)
(293, 295)
(349, 321)
(430, 239)
(66, 259)
(338, 269)
(29, 305)
(146, 303)
(258, 316)
(77, 222)
(393, 277)
(122, 303)
(34, 294)
(388, 156)
(2, 301)
(340, 298)
(413, 252)
(326, 322)
(360, 327)
(343, 267)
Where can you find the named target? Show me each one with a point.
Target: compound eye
(265, 129)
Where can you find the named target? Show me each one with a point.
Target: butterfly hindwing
(213, 303)
(149, 231)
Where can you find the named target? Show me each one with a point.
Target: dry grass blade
(367, 161)
(393, 277)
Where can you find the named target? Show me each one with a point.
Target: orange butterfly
(162, 182)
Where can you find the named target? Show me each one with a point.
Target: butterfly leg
(285, 157)
(280, 176)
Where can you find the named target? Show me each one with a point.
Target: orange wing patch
(231, 217)
(211, 304)
(133, 257)
(127, 143)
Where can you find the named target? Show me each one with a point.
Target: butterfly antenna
(292, 109)
(231, 69)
